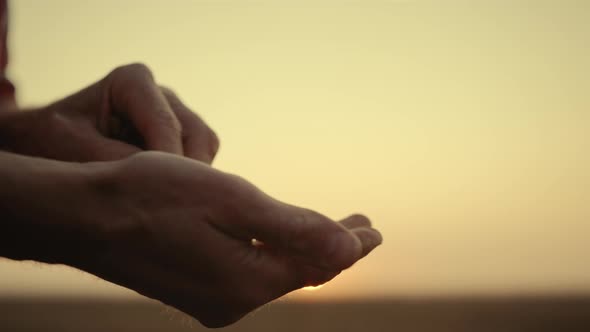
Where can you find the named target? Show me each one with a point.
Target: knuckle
(213, 143)
(136, 69)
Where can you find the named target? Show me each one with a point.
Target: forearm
(42, 206)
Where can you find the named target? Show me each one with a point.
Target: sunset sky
(461, 128)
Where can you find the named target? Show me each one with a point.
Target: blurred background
(461, 128)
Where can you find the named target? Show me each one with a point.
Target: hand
(120, 115)
(186, 238)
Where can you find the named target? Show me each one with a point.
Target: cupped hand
(186, 239)
(122, 114)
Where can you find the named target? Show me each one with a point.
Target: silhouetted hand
(166, 226)
(122, 114)
(181, 232)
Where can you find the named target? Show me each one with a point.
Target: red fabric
(6, 88)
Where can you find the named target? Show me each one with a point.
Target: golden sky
(462, 128)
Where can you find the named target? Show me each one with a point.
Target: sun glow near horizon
(312, 288)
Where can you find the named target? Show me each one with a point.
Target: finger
(356, 220)
(370, 238)
(134, 93)
(123, 130)
(306, 235)
(199, 141)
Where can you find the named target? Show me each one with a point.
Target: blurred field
(411, 315)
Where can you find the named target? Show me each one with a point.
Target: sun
(312, 288)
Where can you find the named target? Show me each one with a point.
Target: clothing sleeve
(7, 91)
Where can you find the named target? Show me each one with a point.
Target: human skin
(169, 227)
(121, 114)
(173, 229)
